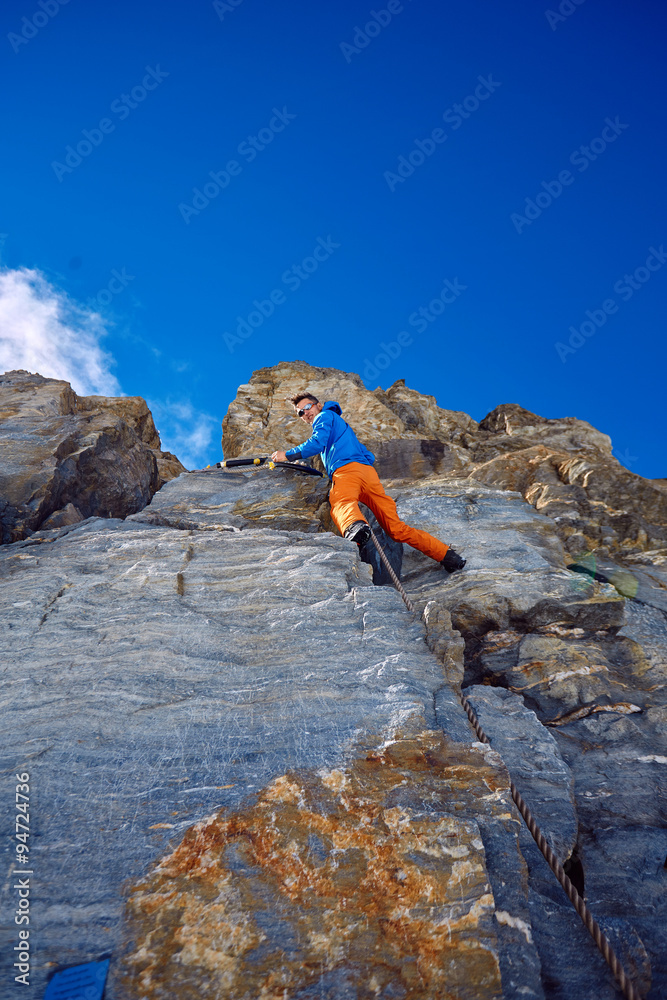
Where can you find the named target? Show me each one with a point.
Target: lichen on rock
(328, 876)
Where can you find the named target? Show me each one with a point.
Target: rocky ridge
(260, 761)
(563, 467)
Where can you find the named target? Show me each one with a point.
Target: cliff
(250, 771)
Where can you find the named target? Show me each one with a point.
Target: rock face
(176, 672)
(67, 457)
(250, 771)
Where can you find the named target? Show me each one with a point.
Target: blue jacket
(334, 440)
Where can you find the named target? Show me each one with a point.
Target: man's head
(306, 405)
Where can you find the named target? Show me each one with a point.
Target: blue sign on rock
(79, 982)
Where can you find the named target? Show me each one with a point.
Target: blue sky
(540, 200)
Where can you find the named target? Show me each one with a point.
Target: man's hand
(279, 456)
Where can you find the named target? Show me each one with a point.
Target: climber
(350, 467)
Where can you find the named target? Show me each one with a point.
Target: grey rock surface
(603, 697)
(516, 571)
(619, 766)
(534, 762)
(594, 668)
(642, 578)
(165, 674)
(220, 499)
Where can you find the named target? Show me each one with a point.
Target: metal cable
(587, 918)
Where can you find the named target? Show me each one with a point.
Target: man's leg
(373, 495)
(344, 496)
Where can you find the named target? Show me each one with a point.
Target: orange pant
(354, 482)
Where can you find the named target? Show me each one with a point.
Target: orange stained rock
(324, 875)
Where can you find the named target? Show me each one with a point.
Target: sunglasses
(300, 413)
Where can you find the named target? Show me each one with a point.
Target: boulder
(68, 457)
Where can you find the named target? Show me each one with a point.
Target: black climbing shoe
(452, 561)
(359, 532)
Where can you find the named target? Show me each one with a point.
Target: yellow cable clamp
(272, 465)
(256, 461)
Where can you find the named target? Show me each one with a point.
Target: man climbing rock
(350, 466)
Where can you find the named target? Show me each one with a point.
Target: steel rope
(587, 918)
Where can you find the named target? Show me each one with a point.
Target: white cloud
(43, 330)
(187, 432)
